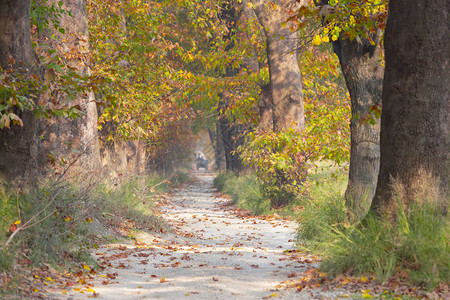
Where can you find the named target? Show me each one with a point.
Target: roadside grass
(49, 225)
(130, 204)
(245, 192)
(59, 223)
(413, 247)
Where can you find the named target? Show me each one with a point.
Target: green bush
(279, 160)
(245, 192)
(221, 179)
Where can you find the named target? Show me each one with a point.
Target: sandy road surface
(214, 254)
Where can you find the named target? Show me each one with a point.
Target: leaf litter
(214, 251)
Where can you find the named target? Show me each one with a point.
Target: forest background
(101, 93)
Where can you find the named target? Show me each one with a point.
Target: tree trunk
(217, 142)
(285, 77)
(415, 134)
(18, 145)
(232, 137)
(363, 72)
(230, 132)
(219, 149)
(79, 135)
(15, 40)
(265, 106)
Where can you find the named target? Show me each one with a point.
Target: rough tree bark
(230, 132)
(265, 106)
(217, 143)
(18, 145)
(285, 77)
(363, 73)
(415, 133)
(232, 137)
(63, 136)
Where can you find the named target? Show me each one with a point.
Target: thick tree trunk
(18, 145)
(80, 134)
(15, 40)
(363, 72)
(285, 77)
(415, 133)
(265, 108)
(230, 132)
(232, 137)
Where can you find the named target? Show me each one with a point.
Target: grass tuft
(410, 240)
(244, 191)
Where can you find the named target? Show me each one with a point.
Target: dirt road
(213, 254)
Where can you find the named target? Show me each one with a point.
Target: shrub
(245, 192)
(279, 161)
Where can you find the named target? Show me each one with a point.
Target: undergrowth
(245, 192)
(415, 246)
(131, 203)
(59, 223)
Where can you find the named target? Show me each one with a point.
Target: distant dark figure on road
(201, 162)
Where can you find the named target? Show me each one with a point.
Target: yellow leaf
(86, 267)
(48, 279)
(35, 290)
(326, 39)
(91, 290)
(274, 295)
(363, 279)
(317, 40)
(367, 295)
(17, 222)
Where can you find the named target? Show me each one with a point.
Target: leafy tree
(355, 30)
